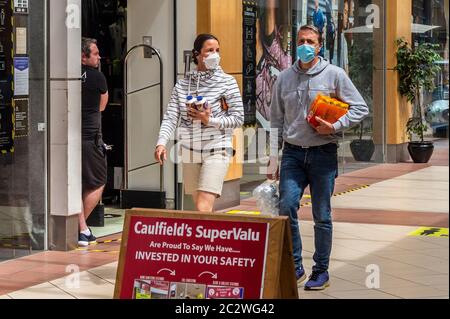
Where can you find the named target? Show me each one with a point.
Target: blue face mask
(306, 53)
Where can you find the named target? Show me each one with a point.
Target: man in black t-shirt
(94, 101)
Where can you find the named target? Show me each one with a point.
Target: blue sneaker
(318, 281)
(300, 275)
(84, 240)
(92, 238)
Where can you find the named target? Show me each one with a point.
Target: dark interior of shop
(110, 30)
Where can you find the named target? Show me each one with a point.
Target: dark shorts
(94, 165)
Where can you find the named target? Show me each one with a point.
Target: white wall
(186, 28)
(153, 18)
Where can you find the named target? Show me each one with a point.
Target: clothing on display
(98, 16)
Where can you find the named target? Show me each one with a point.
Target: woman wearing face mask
(205, 128)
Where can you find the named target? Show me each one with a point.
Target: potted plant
(362, 149)
(417, 71)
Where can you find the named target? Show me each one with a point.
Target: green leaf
(417, 71)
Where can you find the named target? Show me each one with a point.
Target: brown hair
(310, 27)
(86, 44)
(199, 42)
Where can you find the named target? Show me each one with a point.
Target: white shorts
(205, 172)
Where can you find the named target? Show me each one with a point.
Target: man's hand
(324, 128)
(200, 116)
(273, 171)
(160, 154)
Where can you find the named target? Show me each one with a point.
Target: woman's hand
(160, 154)
(200, 116)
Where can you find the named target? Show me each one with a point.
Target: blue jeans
(318, 168)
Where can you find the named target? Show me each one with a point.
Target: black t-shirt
(94, 85)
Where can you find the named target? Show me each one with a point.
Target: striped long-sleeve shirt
(212, 85)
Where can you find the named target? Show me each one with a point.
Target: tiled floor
(97, 283)
(426, 190)
(33, 270)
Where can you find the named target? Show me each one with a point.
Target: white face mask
(212, 62)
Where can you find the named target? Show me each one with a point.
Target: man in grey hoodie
(310, 155)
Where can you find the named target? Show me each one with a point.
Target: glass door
(23, 139)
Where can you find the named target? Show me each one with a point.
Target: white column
(65, 121)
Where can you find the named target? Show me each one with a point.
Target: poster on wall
(21, 6)
(21, 114)
(273, 52)
(21, 76)
(6, 129)
(249, 63)
(21, 41)
(174, 258)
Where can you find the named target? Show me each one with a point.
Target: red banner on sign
(217, 292)
(185, 258)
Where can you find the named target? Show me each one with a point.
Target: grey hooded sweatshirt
(295, 91)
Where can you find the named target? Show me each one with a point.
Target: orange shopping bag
(328, 109)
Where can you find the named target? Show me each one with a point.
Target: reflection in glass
(430, 25)
(23, 172)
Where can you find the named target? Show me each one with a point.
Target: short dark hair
(86, 44)
(310, 27)
(199, 42)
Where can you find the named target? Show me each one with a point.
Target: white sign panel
(21, 76)
(21, 40)
(21, 6)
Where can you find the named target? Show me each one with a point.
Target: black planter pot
(421, 152)
(362, 150)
